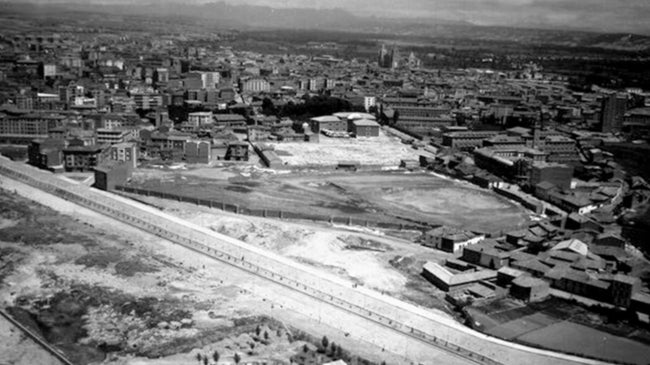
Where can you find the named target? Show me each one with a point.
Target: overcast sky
(607, 15)
(623, 15)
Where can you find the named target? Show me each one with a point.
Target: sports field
(560, 326)
(391, 196)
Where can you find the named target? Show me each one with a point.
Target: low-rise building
(466, 141)
(237, 151)
(199, 119)
(448, 281)
(450, 239)
(365, 128)
(47, 153)
(198, 152)
(110, 174)
(529, 289)
(125, 152)
(328, 123)
(113, 136)
(506, 275)
(557, 174)
(486, 254)
(230, 120)
(84, 158)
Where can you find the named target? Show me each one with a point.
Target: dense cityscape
(175, 191)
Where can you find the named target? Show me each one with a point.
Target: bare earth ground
(368, 257)
(383, 151)
(390, 196)
(95, 291)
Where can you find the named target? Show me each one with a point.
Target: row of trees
(312, 106)
(205, 359)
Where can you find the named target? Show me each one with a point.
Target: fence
(281, 214)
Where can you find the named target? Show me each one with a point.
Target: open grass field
(391, 196)
(561, 326)
(575, 338)
(514, 329)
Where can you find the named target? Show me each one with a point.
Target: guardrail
(235, 256)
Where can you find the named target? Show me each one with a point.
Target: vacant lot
(396, 196)
(91, 292)
(386, 264)
(376, 151)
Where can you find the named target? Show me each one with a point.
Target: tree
(199, 358)
(266, 335)
(325, 342)
(268, 108)
(258, 330)
(237, 358)
(215, 356)
(206, 361)
(305, 348)
(333, 349)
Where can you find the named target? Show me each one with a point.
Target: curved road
(394, 315)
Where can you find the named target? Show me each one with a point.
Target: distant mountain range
(254, 17)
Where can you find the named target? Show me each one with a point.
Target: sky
(623, 15)
(606, 15)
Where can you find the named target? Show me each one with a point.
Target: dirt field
(387, 264)
(378, 151)
(100, 298)
(397, 196)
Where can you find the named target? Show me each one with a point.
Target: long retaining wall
(414, 321)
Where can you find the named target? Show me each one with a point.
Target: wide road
(430, 335)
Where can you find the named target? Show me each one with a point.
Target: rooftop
(365, 123)
(457, 279)
(574, 245)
